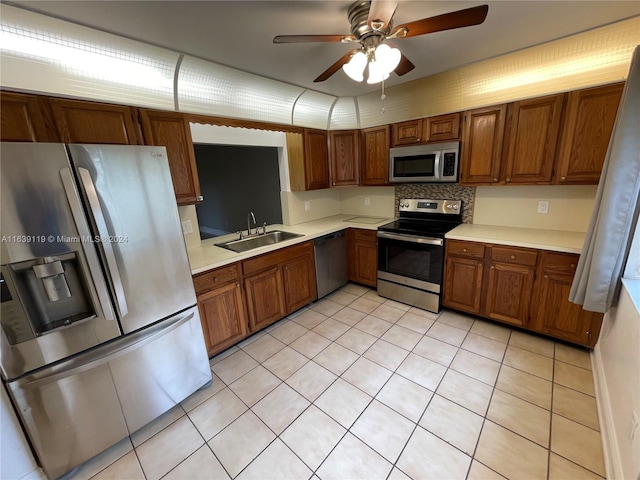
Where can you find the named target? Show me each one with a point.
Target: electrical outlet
(367, 201)
(307, 206)
(543, 206)
(187, 227)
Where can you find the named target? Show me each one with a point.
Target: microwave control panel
(449, 165)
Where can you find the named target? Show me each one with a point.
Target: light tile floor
(360, 387)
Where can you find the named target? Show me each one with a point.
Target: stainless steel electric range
(411, 251)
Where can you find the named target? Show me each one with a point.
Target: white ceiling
(239, 34)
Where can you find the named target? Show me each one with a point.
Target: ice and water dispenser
(41, 295)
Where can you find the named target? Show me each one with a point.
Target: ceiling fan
(371, 25)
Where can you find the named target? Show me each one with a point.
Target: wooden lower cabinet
(221, 307)
(279, 283)
(552, 313)
(265, 298)
(463, 283)
(362, 256)
(524, 287)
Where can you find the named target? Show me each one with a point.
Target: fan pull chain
(382, 97)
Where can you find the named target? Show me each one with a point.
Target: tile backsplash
(440, 191)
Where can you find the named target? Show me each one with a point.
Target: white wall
(516, 206)
(616, 363)
(16, 461)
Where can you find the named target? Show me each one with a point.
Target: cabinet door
(589, 118)
(509, 289)
(171, 130)
(345, 148)
(265, 298)
(316, 159)
(88, 122)
(552, 313)
(482, 145)
(24, 119)
(362, 256)
(442, 128)
(374, 162)
(406, 133)
(463, 283)
(299, 282)
(223, 319)
(533, 127)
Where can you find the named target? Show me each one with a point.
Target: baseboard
(610, 450)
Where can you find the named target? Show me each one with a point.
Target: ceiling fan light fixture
(377, 72)
(388, 57)
(355, 67)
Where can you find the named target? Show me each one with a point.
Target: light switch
(307, 206)
(187, 227)
(367, 200)
(543, 206)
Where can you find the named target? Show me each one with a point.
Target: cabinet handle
(237, 285)
(464, 250)
(508, 179)
(513, 257)
(546, 276)
(563, 178)
(215, 279)
(492, 267)
(495, 179)
(573, 265)
(199, 198)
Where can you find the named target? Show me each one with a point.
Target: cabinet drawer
(365, 235)
(516, 256)
(563, 263)
(465, 249)
(268, 260)
(215, 278)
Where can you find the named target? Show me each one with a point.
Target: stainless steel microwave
(430, 163)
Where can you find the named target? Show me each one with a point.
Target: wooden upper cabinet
(316, 159)
(171, 130)
(374, 160)
(406, 133)
(531, 139)
(441, 128)
(90, 122)
(24, 119)
(345, 149)
(589, 118)
(482, 145)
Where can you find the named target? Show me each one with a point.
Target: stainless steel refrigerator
(100, 329)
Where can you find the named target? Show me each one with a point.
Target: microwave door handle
(90, 253)
(103, 232)
(437, 166)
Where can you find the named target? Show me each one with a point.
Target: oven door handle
(412, 239)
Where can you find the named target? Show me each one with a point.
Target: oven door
(410, 269)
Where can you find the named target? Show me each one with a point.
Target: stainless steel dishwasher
(331, 262)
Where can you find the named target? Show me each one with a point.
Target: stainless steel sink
(250, 243)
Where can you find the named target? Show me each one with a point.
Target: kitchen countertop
(208, 256)
(556, 240)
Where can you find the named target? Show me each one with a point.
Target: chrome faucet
(250, 216)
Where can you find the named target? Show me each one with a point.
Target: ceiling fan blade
(405, 66)
(336, 66)
(313, 38)
(447, 21)
(380, 13)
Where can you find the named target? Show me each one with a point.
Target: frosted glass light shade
(355, 67)
(388, 57)
(376, 72)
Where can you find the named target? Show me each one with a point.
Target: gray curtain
(613, 222)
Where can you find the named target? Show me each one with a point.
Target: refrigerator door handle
(103, 354)
(99, 283)
(103, 232)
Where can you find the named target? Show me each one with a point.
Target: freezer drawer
(75, 410)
